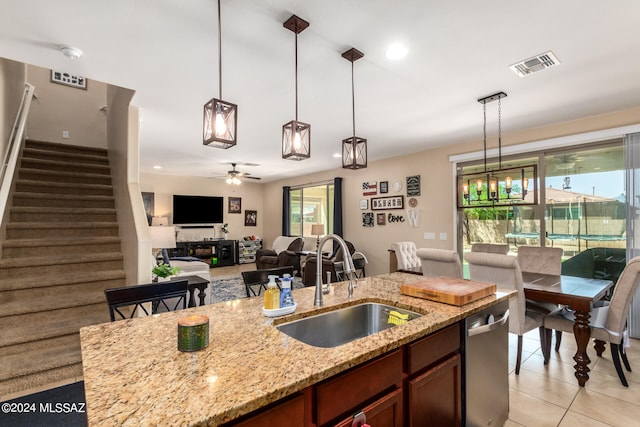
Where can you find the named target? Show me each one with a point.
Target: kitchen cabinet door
(435, 397)
(384, 412)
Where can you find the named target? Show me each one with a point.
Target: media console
(218, 253)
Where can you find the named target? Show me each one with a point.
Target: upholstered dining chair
(492, 248)
(504, 271)
(542, 260)
(609, 322)
(440, 262)
(405, 253)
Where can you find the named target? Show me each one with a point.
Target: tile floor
(549, 395)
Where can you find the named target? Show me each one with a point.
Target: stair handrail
(12, 152)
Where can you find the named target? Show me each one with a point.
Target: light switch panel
(443, 236)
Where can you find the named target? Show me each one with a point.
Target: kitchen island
(134, 374)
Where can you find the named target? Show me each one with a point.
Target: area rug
(227, 288)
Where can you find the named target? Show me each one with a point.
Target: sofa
(279, 255)
(190, 266)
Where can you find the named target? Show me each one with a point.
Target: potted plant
(165, 271)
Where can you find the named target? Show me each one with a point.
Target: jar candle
(193, 332)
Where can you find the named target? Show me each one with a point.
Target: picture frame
(367, 219)
(384, 187)
(387, 203)
(250, 218)
(364, 204)
(148, 202)
(381, 219)
(67, 79)
(235, 205)
(413, 185)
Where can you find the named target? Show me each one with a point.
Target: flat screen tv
(197, 210)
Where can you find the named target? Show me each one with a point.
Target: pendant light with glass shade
(220, 117)
(296, 135)
(354, 149)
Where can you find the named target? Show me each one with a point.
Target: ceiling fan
(234, 176)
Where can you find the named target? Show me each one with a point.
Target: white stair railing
(10, 159)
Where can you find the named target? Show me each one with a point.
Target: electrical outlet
(65, 134)
(429, 236)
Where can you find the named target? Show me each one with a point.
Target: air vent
(534, 64)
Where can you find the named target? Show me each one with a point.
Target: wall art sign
(367, 219)
(384, 187)
(68, 79)
(364, 204)
(381, 219)
(369, 188)
(413, 185)
(387, 203)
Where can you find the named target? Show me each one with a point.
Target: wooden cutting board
(448, 290)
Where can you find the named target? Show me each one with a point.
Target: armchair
(270, 258)
(310, 266)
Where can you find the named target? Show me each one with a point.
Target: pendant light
(354, 149)
(220, 117)
(296, 135)
(496, 179)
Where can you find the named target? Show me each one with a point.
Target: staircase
(61, 251)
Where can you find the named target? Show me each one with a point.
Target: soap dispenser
(272, 294)
(286, 298)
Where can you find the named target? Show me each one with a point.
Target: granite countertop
(134, 374)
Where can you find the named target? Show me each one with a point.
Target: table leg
(192, 302)
(202, 294)
(582, 332)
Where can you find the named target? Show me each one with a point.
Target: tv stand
(218, 253)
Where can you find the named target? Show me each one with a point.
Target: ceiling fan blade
(251, 177)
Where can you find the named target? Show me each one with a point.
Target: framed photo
(67, 79)
(384, 187)
(367, 219)
(250, 218)
(381, 219)
(235, 205)
(387, 203)
(364, 204)
(147, 200)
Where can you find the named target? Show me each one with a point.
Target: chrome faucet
(348, 268)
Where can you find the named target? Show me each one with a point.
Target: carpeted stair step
(20, 386)
(109, 279)
(32, 144)
(51, 298)
(63, 188)
(52, 323)
(49, 230)
(65, 156)
(63, 166)
(13, 268)
(40, 214)
(44, 247)
(62, 200)
(66, 176)
(24, 359)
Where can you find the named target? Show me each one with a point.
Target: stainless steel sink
(343, 325)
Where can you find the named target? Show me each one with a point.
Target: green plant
(165, 270)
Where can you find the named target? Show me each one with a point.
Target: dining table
(578, 294)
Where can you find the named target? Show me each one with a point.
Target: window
(582, 203)
(311, 205)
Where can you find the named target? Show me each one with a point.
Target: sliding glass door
(311, 205)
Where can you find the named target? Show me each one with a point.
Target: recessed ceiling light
(396, 51)
(157, 167)
(71, 52)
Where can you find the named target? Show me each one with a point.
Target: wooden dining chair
(256, 280)
(504, 271)
(609, 322)
(542, 260)
(159, 295)
(439, 262)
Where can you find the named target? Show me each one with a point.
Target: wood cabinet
(418, 384)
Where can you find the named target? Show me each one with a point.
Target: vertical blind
(632, 191)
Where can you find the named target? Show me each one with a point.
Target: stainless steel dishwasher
(486, 380)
